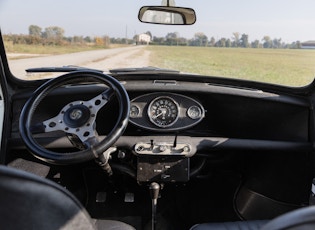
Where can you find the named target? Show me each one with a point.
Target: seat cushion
(112, 225)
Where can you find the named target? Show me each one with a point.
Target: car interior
(154, 148)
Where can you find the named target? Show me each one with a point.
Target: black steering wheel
(76, 118)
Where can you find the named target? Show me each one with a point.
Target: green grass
(279, 66)
(50, 50)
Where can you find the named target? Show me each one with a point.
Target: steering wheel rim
(92, 151)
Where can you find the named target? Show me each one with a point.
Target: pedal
(129, 197)
(100, 197)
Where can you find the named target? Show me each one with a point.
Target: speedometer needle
(161, 113)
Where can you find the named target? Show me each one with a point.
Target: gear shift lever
(154, 193)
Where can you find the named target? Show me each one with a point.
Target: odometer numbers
(163, 112)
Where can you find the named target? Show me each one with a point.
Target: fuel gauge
(134, 111)
(194, 112)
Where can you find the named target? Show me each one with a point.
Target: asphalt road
(135, 56)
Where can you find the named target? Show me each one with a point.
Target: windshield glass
(268, 41)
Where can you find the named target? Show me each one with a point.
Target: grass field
(279, 66)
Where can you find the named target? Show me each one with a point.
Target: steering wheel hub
(76, 116)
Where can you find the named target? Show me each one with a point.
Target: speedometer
(163, 111)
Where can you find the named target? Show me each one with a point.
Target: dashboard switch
(167, 149)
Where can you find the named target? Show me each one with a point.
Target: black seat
(300, 219)
(31, 202)
(238, 225)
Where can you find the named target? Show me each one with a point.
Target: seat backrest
(30, 202)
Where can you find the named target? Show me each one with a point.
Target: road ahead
(135, 56)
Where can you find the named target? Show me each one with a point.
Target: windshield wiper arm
(59, 69)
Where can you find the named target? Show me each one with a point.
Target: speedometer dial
(163, 112)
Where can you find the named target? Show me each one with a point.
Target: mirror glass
(167, 15)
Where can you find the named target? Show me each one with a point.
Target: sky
(286, 19)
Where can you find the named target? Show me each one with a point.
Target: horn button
(77, 116)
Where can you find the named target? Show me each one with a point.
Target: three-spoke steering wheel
(77, 118)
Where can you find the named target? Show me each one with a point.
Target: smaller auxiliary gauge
(134, 111)
(194, 112)
(163, 111)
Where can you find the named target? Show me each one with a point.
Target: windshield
(267, 41)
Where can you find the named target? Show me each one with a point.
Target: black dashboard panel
(238, 113)
(233, 117)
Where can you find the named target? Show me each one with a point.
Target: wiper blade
(59, 69)
(143, 69)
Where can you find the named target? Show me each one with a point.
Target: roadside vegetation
(52, 40)
(44, 50)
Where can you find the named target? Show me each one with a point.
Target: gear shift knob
(154, 190)
(154, 193)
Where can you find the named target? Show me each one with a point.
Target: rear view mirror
(167, 15)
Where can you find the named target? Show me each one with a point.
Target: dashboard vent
(164, 82)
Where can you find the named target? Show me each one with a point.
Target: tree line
(236, 40)
(54, 35)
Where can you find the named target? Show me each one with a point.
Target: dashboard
(205, 114)
(170, 123)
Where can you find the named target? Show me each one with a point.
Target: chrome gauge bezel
(192, 115)
(153, 120)
(134, 108)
